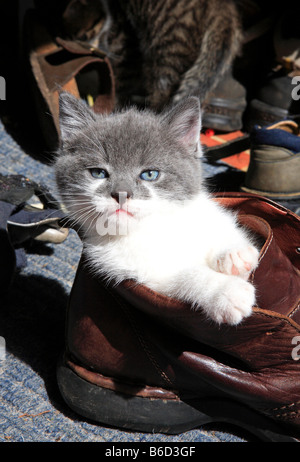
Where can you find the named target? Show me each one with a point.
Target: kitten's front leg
(240, 261)
(233, 301)
(223, 298)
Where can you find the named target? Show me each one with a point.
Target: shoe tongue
(284, 134)
(287, 125)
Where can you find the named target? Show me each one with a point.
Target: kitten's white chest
(163, 244)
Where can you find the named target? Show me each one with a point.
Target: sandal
(64, 65)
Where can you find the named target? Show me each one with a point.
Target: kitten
(132, 182)
(164, 49)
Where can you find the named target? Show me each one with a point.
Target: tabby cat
(164, 50)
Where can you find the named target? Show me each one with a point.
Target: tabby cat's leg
(170, 48)
(161, 80)
(219, 46)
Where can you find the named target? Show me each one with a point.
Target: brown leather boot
(139, 360)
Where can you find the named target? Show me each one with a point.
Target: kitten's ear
(74, 115)
(184, 122)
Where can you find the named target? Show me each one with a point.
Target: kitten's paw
(237, 262)
(234, 302)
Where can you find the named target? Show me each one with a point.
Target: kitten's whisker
(81, 216)
(52, 213)
(93, 222)
(72, 222)
(76, 213)
(74, 193)
(86, 219)
(79, 197)
(68, 198)
(77, 202)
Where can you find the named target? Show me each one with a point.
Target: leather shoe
(274, 166)
(138, 360)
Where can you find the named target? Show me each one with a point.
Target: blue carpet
(32, 319)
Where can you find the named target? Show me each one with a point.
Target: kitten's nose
(121, 196)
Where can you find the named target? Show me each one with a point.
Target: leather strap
(227, 149)
(68, 60)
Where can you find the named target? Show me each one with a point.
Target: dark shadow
(17, 111)
(32, 246)
(230, 180)
(32, 321)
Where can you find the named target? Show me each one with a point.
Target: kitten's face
(123, 167)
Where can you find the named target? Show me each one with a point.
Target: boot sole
(135, 413)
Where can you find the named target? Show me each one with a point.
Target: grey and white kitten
(132, 182)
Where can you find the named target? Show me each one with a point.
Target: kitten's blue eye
(98, 173)
(149, 175)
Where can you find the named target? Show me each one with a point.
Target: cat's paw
(237, 262)
(234, 302)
